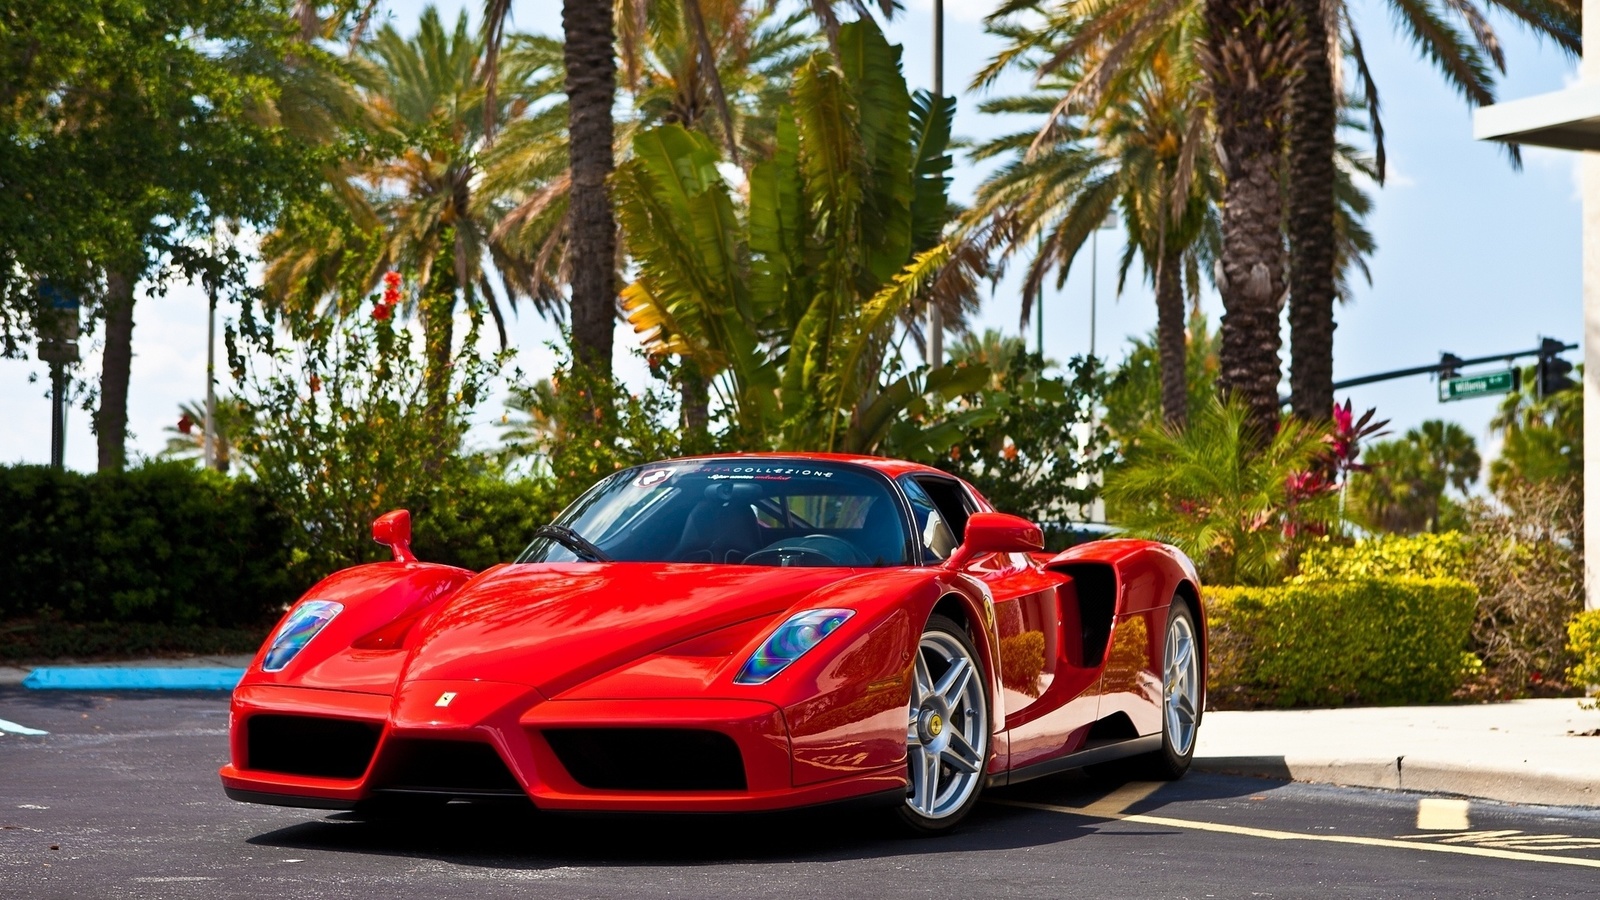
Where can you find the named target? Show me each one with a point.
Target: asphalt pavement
(120, 799)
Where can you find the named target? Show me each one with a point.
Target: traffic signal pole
(1449, 363)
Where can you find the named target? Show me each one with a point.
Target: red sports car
(729, 633)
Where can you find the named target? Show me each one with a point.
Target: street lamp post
(1109, 223)
(209, 438)
(58, 346)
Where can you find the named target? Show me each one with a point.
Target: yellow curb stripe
(1270, 834)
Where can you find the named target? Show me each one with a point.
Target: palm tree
(591, 67)
(1403, 489)
(421, 208)
(1253, 51)
(1462, 55)
(787, 302)
(187, 440)
(1146, 150)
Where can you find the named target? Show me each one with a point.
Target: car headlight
(789, 641)
(302, 625)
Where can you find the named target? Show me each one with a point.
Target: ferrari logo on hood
(445, 698)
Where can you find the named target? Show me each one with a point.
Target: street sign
(1478, 385)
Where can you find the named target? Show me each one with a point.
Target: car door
(1025, 600)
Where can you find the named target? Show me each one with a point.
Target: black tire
(948, 751)
(1173, 759)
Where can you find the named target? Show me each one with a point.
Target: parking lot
(120, 799)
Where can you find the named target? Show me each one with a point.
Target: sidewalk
(133, 674)
(1521, 751)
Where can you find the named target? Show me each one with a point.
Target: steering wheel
(833, 551)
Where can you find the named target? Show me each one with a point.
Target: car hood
(555, 625)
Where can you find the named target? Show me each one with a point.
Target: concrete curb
(116, 678)
(1415, 774)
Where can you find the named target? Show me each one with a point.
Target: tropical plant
(1238, 511)
(187, 438)
(1253, 52)
(591, 74)
(994, 351)
(786, 303)
(1541, 439)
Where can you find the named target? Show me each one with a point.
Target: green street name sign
(1478, 385)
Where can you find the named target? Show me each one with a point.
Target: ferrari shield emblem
(445, 698)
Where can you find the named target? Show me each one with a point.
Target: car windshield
(731, 511)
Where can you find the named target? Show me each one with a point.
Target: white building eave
(1568, 119)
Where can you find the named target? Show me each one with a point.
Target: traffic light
(1553, 370)
(1449, 366)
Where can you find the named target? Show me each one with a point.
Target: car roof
(890, 467)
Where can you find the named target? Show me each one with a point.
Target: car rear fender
(1145, 576)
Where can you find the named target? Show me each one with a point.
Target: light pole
(58, 346)
(935, 315)
(1109, 223)
(209, 437)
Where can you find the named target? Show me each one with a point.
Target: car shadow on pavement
(521, 837)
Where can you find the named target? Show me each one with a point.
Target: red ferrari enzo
(730, 633)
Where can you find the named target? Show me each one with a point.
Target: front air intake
(459, 768)
(308, 745)
(649, 759)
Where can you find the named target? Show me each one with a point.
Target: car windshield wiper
(573, 541)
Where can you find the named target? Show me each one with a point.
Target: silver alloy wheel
(1182, 685)
(947, 737)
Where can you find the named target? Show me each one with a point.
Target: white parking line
(14, 728)
(1272, 834)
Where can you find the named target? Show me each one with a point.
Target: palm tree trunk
(695, 396)
(1248, 58)
(1312, 122)
(116, 365)
(592, 245)
(1171, 341)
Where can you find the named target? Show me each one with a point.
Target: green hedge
(1445, 555)
(162, 543)
(1377, 641)
(172, 544)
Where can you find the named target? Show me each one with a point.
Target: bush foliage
(1446, 555)
(1583, 637)
(181, 558)
(164, 543)
(1372, 641)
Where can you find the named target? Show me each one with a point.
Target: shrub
(1444, 555)
(1583, 641)
(489, 521)
(165, 542)
(1377, 640)
(1236, 501)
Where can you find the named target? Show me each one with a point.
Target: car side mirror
(989, 532)
(393, 529)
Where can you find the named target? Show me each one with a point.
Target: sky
(1474, 257)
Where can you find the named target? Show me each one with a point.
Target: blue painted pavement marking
(101, 678)
(13, 728)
